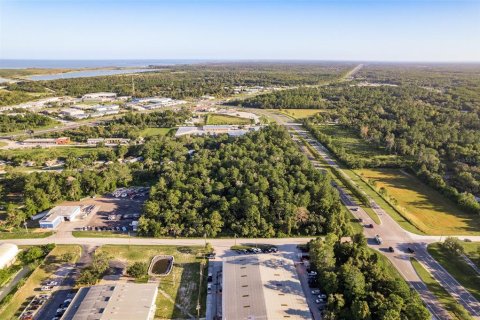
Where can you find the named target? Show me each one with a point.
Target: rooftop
(61, 211)
(262, 287)
(119, 301)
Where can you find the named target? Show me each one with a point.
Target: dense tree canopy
(358, 286)
(23, 121)
(258, 185)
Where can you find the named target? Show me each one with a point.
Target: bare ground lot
(108, 205)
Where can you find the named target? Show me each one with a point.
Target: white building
(231, 130)
(8, 253)
(73, 113)
(108, 141)
(59, 214)
(114, 301)
(99, 96)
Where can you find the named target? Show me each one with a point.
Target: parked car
(319, 301)
(210, 277)
(210, 255)
(391, 249)
(316, 291)
(410, 250)
(312, 273)
(46, 288)
(209, 288)
(369, 226)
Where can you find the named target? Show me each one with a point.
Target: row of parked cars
(118, 228)
(63, 307)
(34, 306)
(257, 250)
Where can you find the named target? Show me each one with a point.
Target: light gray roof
(119, 301)
(262, 287)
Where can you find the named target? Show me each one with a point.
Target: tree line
(23, 121)
(129, 126)
(358, 286)
(258, 185)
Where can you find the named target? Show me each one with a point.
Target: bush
(138, 269)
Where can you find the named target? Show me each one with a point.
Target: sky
(358, 30)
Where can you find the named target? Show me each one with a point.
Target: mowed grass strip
(52, 262)
(24, 235)
(429, 210)
(458, 268)
(449, 303)
(181, 285)
(300, 113)
(219, 119)
(149, 132)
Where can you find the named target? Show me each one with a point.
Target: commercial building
(99, 96)
(59, 214)
(8, 253)
(72, 113)
(118, 301)
(231, 130)
(47, 141)
(262, 287)
(108, 141)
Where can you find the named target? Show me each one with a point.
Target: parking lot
(116, 212)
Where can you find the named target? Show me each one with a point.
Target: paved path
(16, 278)
(471, 264)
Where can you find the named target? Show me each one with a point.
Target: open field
(218, 119)
(299, 113)
(450, 304)
(180, 287)
(25, 235)
(458, 268)
(45, 270)
(353, 145)
(426, 208)
(149, 132)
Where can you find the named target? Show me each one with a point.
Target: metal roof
(262, 286)
(118, 301)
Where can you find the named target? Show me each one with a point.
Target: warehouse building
(59, 214)
(8, 253)
(262, 287)
(99, 96)
(118, 301)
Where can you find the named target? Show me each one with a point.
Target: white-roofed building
(99, 96)
(59, 214)
(262, 287)
(8, 253)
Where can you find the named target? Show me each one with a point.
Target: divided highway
(399, 239)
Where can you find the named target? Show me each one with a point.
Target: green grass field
(458, 268)
(299, 113)
(450, 304)
(472, 250)
(180, 286)
(354, 145)
(149, 132)
(426, 208)
(218, 119)
(13, 309)
(24, 235)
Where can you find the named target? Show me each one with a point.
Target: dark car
(369, 226)
(410, 250)
(210, 255)
(391, 249)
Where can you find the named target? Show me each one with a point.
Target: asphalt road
(399, 239)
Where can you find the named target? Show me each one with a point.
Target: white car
(316, 291)
(312, 273)
(46, 288)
